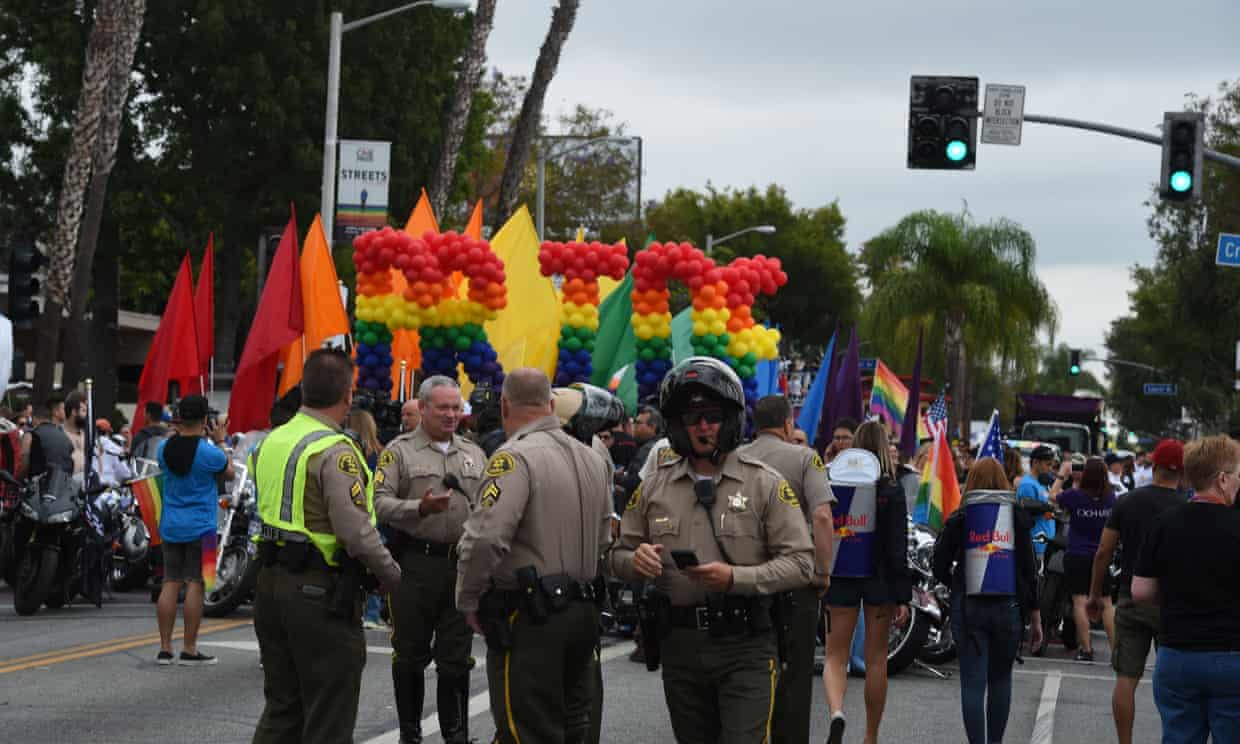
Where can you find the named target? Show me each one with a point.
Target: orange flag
(322, 310)
(474, 228)
(405, 343)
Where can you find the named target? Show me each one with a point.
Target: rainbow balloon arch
(451, 327)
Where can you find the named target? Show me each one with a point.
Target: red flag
(204, 314)
(277, 322)
(174, 350)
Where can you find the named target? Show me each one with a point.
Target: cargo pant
(794, 695)
(312, 661)
(719, 690)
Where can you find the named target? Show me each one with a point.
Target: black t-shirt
(1132, 517)
(1194, 552)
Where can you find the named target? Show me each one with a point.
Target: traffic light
(942, 122)
(24, 261)
(1074, 363)
(1182, 148)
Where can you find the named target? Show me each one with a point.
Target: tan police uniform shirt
(799, 465)
(413, 463)
(756, 514)
(545, 501)
(335, 502)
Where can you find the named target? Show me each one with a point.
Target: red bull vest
(990, 544)
(853, 475)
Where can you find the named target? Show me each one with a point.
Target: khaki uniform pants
(312, 662)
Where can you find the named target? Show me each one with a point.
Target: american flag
(936, 417)
(993, 446)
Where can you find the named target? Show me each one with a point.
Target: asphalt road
(87, 674)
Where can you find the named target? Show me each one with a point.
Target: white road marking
(1073, 675)
(253, 646)
(481, 703)
(1044, 724)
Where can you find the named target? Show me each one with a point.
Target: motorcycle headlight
(63, 517)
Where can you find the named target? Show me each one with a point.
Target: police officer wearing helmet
(528, 573)
(807, 474)
(742, 525)
(316, 502)
(425, 487)
(584, 410)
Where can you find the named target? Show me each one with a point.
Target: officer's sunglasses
(709, 415)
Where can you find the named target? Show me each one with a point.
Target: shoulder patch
(502, 463)
(819, 465)
(357, 493)
(787, 495)
(386, 457)
(666, 455)
(380, 478)
(490, 494)
(347, 464)
(635, 500)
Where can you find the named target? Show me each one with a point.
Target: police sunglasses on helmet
(709, 415)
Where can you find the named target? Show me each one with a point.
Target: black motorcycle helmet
(585, 410)
(699, 381)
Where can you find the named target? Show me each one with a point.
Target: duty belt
(701, 617)
(558, 587)
(426, 547)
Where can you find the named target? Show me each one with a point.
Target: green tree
(822, 279)
(1185, 310)
(974, 286)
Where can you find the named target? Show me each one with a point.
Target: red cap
(104, 425)
(1169, 454)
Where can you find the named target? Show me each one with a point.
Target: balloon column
(748, 341)
(658, 263)
(581, 264)
(450, 328)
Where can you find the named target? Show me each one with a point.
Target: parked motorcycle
(237, 566)
(47, 540)
(131, 559)
(931, 597)
(10, 500)
(1054, 600)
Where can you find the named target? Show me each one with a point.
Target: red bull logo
(989, 536)
(850, 523)
(844, 532)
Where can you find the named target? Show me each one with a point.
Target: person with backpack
(987, 615)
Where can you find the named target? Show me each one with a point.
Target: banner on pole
(362, 188)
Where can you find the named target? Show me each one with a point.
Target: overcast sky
(813, 96)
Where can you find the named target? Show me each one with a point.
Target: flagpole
(212, 374)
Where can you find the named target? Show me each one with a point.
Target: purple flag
(846, 392)
(908, 434)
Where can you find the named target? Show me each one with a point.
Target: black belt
(296, 557)
(557, 588)
(426, 547)
(701, 617)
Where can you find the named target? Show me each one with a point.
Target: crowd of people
(481, 517)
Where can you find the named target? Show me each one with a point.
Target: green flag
(615, 345)
(682, 335)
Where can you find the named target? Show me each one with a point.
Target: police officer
(317, 506)
(425, 487)
(528, 574)
(719, 532)
(807, 475)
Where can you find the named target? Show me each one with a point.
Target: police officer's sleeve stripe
(290, 470)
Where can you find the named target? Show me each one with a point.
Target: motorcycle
(131, 559)
(236, 564)
(1054, 600)
(48, 538)
(931, 597)
(10, 499)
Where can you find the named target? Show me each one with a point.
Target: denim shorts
(1198, 693)
(183, 561)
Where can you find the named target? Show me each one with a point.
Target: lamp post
(540, 208)
(712, 241)
(327, 198)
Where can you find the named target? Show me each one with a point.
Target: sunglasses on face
(710, 416)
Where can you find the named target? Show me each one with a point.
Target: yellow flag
(322, 310)
(526, 332)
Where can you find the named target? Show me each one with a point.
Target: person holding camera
(317, 507)
(528, 576)
(425, 488)
(720, 533)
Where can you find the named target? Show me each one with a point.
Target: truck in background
(1072, 422)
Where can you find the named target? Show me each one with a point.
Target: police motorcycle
(236, 563)
(47, 540)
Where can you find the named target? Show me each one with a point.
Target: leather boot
(452, 701)
(410, 687)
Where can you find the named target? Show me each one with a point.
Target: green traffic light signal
(1074, 363)
(1074, 370)
(957, 151)
(1181, 181)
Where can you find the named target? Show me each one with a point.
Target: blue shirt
(1029, 488)
(191, 500)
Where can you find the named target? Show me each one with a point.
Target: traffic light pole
(1156, 139)
(1124, 362)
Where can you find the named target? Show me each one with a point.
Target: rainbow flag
(939, 493)
(888, 397)
(209, 543)
(149, 493)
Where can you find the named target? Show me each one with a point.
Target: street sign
(1228, 250)
(1159, 388)
(867, 365)
(1003, 114)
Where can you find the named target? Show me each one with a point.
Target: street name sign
(1228, 250)
(867, 364)
(1003, 114)
(1159, 388)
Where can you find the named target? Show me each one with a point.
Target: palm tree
(974, 284)
(528, 121)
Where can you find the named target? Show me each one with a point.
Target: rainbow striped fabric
(210, 541)
(888, 397)
(149, 493)
(938, 495)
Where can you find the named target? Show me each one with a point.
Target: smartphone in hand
(685, 559)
